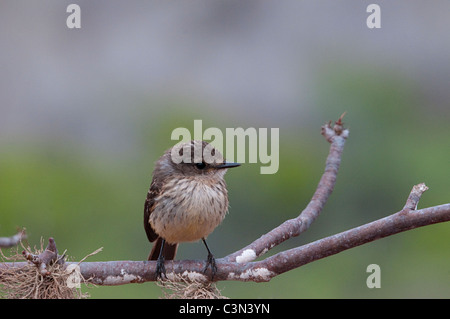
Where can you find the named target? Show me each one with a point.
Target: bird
(186, 201)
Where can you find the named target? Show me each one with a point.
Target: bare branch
(414, 197)
(46, 258)
(241, 265)
(332, 245)
(336, 135)
(124, 272)
(6, 242)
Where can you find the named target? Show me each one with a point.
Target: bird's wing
(153, 192)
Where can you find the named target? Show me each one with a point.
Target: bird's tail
(169, 250)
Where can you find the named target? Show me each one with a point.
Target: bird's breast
(189, 209)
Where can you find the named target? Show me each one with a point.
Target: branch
(336, 135)
(124, 272)
(241, 265)
(7, 242)
(401, 221)
(48, 257)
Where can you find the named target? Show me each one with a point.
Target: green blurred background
(85, 113)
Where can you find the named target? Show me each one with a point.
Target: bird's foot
(160, 268)
(210, 261)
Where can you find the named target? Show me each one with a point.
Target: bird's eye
(200, 165)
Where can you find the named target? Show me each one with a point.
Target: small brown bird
(186, 201)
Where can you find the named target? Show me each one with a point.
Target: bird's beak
(227, 165)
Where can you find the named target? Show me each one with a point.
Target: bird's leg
(210, 261)
(160, 268)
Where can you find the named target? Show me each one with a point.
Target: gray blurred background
(85, 113)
